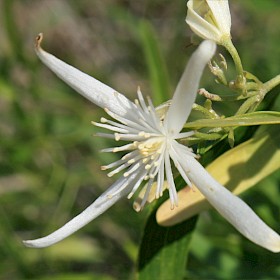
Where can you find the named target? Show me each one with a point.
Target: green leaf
(164, 250)
(256, 118)
(155, 62)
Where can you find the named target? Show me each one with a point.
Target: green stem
(247, 106)
(227, 43)
(208, 136)
(269, 85)
(204, 111)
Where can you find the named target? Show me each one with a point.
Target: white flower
(210, 19)
(152, 144)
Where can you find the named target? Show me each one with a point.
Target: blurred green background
(50, 162)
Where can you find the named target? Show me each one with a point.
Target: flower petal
(99, 206)
(200, 26)
(187, 87)
(92, 89)
(221, 12)
(232, 208)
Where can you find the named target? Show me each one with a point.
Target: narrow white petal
(99, 206)
(187, 87)
(175, 155)
(92, 89)
(232, 208)
(221, 12)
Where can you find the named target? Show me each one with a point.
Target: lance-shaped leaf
(256, 118)
(163, 252)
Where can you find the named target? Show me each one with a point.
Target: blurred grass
(50, 163)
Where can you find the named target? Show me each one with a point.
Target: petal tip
(274, 244)
(29, 243)
(208, 49)
(38, 40)
(40, 242)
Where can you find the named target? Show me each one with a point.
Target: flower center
(151, 146)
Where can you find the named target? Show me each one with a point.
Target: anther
(125, 157)
(141, 146)
(104, 167)
(117, 136)
(148, 166)
(111, 174)
(149, 145)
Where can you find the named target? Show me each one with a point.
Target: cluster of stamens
(147, 154)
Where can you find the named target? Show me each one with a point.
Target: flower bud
(210, 19)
